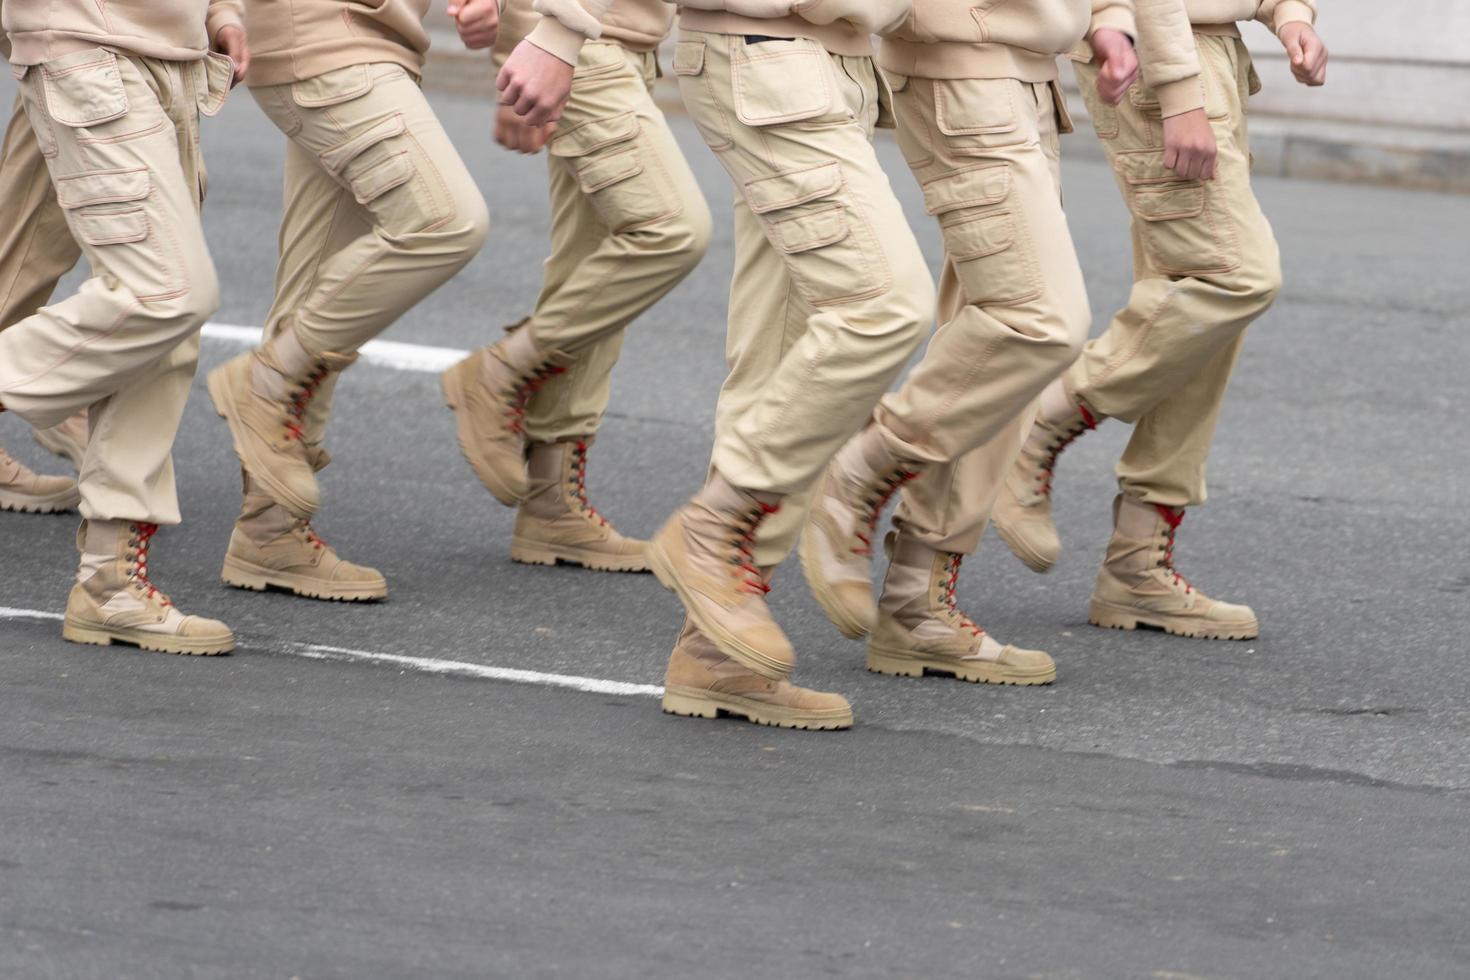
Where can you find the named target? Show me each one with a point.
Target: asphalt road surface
(1293, 806)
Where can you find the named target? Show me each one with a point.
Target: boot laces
(524, 390)
(948, 585)
(300, 399)
(744, 557)
(1173, 519)
(1064, 438)
(578, 482)
(312, 538)
(142, 534)
(878, 496)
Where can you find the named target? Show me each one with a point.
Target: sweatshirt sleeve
(1118, 15)
(566, 24)
(1276, 14)
(222, 14)
(1168, 57)
(517, 21)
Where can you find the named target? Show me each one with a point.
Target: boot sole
(848, 625)
(902, 664)
(60, 446)
(1017, 545)
(244, 575)
(56, 503)
(454, 397)
(1109, 616)
(221, 393)
(536, 553)
(723, 639)
(102, 636)
(693, 703)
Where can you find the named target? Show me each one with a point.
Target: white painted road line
(425, 665)
(382, 353)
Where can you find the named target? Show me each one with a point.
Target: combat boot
(702, 682)
(29, 492)
(272, 548)
(264, 395)
(489, 392)
(1138, 586)
(114, 601)
(705, 554)
(67, 439)
(837, 542)
(556, 522)
(1022, 512)
(921, 630)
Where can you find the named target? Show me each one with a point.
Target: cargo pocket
(387, 174)
(105, 210)
(621, 176)
(783, 81)
(1179, 221)
(86, 92)
(831, 251)
(979, 114)
(993, 256)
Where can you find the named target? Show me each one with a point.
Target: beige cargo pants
(1205, 266)
(379, 210)
(628, 223)
(1013, 305)
(36, 247)
(119, 136)
(830, 293)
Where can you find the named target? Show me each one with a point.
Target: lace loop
(138, 543)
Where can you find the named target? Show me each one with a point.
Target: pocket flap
(978, 237)
(381, 178)
(1167, 203)
(602, 172)
(103, 187)
(804, 232)
(84, 89)
(332, 88)
(793, 187)
(976, 106)
(1145, 167)
(594, 135)
(973, 188)
(338, 157)
(112, 229)
(688, 57)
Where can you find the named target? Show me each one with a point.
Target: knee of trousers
(911, 301)
(683, 236)
(1256, 280)
(182, 314)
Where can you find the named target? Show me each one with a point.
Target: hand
(514, 133)
(477, 21)
(1307, 52)
(1117, 64)
(231, 41)
(535, 83)
(1189, 145)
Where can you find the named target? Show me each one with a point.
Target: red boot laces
(744, 557)
(1067, 436)
(579, 482)
(524, 390)
(142, 534)
(874, 504)
(300, 399)
(947, 597)
(1173, 519)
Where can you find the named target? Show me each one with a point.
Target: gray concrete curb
(1283, 147)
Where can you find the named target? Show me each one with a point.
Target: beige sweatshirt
(843, 26)
(1166, 49)
(171, 30)
(639, 24)
(291, 40)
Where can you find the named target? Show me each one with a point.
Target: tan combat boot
(67, 439)
(272, 548)
(920, 630)
(1022, 513)
(264, 394)
(702, 682)
(489, 391)
(115, 602)
(837, 542)
(705, 554)
(23, 490)
(557, 523)
(1138, 586)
